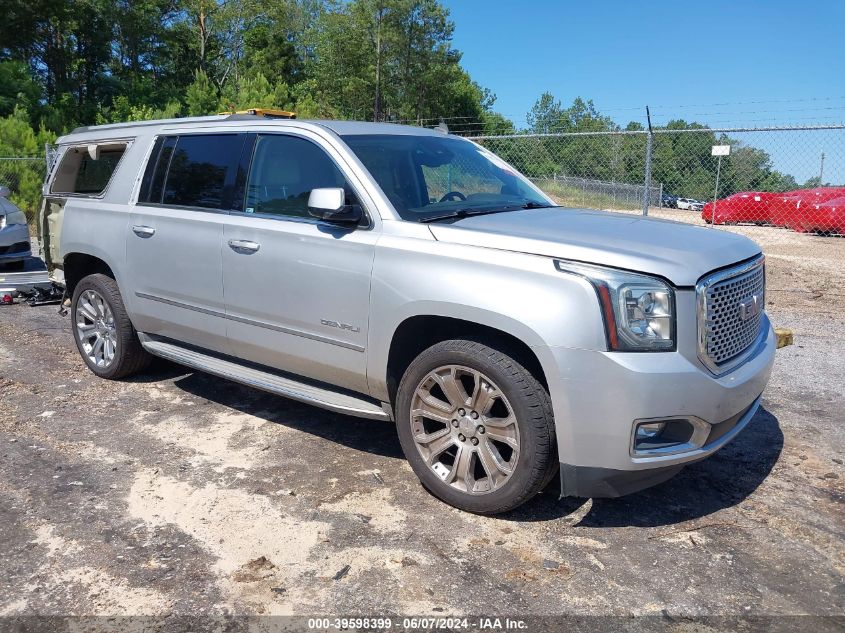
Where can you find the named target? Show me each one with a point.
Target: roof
(96, 132)
(366, 127)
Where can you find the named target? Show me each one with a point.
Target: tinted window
(284, 171)
(161, 165)
(146, 182)
(198, 170)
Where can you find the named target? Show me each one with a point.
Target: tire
(520, 398)
(108, 322)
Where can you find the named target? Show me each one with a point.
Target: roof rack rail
(265, 112)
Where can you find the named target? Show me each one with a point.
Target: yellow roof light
(266, 112)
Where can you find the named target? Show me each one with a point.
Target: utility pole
(648, 149)
(821, 171)
(377, 100)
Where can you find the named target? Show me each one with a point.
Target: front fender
(523, 295)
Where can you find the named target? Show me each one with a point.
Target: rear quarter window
(87, 170)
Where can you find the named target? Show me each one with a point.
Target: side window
(161, 166)
(146, 181)
(199, 167)
(284, 171)
(87, 170)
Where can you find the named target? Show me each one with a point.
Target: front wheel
(476, 427)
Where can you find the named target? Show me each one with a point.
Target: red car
(825, 217)
(746, 206)
(789, 208)
(785, 210)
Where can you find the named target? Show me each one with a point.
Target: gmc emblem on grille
(750, 308)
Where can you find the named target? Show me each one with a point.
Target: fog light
(649, 430)
(668, 436)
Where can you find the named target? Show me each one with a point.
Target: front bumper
(14, 243)
(592, 481)
(597, 396)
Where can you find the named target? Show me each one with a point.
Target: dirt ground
(178, 493)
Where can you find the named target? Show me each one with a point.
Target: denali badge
(750, 308)
(342, 326)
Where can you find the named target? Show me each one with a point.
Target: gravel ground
(178, 493)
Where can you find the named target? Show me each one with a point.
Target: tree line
(681, 161)
(73, 62)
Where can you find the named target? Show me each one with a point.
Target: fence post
(716, 191)
(660, 199)
(648, 147)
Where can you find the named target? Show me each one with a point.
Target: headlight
(639, 311)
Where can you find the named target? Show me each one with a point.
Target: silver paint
(266, 306)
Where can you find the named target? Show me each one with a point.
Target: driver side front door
(296, 288)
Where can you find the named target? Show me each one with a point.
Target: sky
(720, 62)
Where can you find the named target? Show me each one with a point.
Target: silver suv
(403, 274)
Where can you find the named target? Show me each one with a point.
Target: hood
(679, 252)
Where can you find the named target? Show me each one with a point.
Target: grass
(574, 197)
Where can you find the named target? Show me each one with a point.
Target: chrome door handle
(244, 246)
(143, 231)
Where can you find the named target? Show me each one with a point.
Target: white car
(690, 204)
(14, 233)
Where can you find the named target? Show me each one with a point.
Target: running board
(302, 392)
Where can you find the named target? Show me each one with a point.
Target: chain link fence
(23, 176)
(792, 178)
(574, 191)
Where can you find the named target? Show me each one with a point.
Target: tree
(545, 116)
(17, 88)
(255, 91)
(23, 177)
(201, 97)
(494, 123)
(391, 60)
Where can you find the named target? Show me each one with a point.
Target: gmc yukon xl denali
(404, 274)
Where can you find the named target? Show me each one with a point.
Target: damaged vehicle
(404, 274)
(15, 246)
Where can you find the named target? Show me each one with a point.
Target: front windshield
(426, 177)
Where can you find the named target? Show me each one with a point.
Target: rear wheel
(476, 427)
(104, 335)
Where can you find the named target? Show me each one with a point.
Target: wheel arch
(419, 332)
(79, 265)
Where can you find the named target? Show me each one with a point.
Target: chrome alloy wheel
(465, 429)
(95, 328)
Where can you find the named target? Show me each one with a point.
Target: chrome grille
(730, 314)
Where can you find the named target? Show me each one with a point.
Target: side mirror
(4, 192)
(328, 204)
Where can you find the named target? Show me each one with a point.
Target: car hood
(678, 252)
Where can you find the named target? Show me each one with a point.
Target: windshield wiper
(537, 205)
(463, 213)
